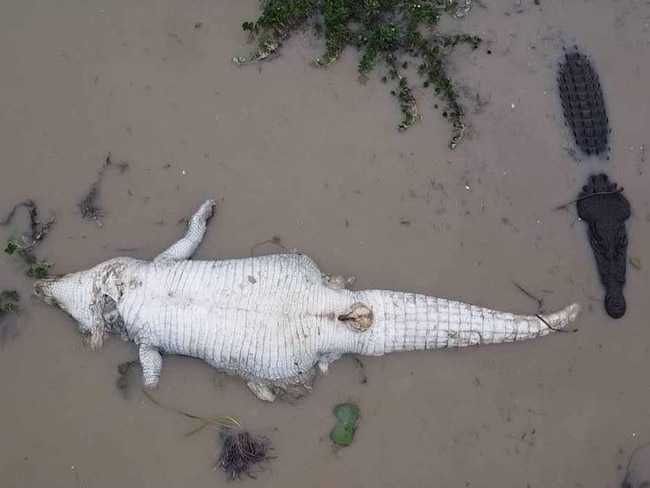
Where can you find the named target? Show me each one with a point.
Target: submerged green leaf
(347, 415)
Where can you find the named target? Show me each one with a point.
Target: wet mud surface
(312, 160)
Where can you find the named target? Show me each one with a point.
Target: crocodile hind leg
(340, 282)
(290, 389)
(185, 247)
(151, 363)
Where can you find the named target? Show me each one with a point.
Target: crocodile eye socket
(615, 304)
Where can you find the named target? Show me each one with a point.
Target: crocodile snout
(43, 289)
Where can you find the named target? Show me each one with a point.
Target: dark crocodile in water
(605, 209)
(600, 203)
(583, 103)
(637, 473)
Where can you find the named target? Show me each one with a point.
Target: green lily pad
(347, 415)
(346, 412)
(342, 434)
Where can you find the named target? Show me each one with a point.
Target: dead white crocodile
(270, 319)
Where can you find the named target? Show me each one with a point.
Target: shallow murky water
(315, 159)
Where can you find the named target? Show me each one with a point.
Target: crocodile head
(73, 293)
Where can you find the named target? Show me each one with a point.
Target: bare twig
(562, 207)
(540, 302)
(277, 240)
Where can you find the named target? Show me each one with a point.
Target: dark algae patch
(398, 35)
(347, 416)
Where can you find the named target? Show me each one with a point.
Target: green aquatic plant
(36, 268)
(397, 34)
(347, 415)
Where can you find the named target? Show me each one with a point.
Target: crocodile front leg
(185, 247)
(151, 363)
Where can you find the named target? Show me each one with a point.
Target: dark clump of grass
(239, 449)
(393, 33)
(24, 246)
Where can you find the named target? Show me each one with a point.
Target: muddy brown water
(314, 158)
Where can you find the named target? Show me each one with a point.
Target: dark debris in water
(88, 206)
(123, 381)
(9, 300)
(24, 246)
(9, 306)
(240, 451)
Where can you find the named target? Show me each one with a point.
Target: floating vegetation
(23, 247)
(239, 449)
(88, 207)
(9, 300)
(397, 34)
(347, 415)
(36, 268)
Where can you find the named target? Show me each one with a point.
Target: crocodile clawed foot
(599, 183)
(205, 211)
(261, 390)
(340, 281)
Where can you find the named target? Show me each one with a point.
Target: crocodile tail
(409, 322)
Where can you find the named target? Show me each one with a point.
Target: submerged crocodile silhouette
(600, 203)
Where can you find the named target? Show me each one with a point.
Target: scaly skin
(269, 319)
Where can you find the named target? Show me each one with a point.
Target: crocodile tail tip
(561, 319)
(572, 312)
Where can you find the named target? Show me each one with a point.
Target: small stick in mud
(540, 302)
(277, 240)
(562, 207)
(540, 305)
